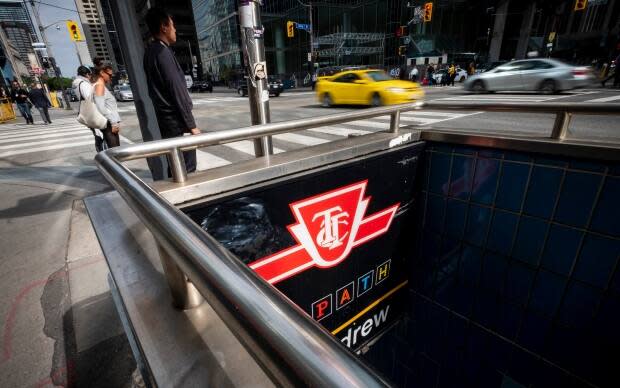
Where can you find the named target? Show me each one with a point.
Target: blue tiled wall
(514, 282)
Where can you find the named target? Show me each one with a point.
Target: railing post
(184, 294)
(395, 121)
(177, 165)
(560, 126)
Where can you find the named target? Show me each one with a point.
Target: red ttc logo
(328, 227)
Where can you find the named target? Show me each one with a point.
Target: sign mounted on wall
(335, 241)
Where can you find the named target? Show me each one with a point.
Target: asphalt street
(56, 316)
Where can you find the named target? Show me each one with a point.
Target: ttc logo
(328, 227)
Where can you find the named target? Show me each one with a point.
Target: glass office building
(346, 32)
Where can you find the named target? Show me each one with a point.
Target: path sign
(335, 241)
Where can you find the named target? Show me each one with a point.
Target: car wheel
(327, 101)
(277, 94)
(462, 79)
(479, 87)
(548, 87)
(376, 100)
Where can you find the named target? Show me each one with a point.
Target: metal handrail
(562, 110)
(290, 346)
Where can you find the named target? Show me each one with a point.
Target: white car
(123, 93)
(461, 75)
(538, 74)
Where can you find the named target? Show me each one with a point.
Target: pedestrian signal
(290, 29)
(74, 31)
(580, 4)
(402, 50)
(428, 12)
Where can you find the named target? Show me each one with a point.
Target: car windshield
(378, 76)
(125, 88)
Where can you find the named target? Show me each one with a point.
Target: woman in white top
(83, 90)
(106, 104)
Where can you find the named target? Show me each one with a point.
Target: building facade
(20, 31)
(12, 67)
(96, 30)
(387, 33)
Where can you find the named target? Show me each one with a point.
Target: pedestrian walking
(106, 104)
(451, 74)
(83, 89)
(615, 74)
(166, 83)
(471, 69)
(429, 74)
(19, 96)
(413, 75)
(39, 99)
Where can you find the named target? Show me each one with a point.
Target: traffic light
(74, 31)
(580, 5)
(290, 29)
(400, 31)
(428, 12)
(402, 50)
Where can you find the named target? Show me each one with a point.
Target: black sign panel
(335, 241)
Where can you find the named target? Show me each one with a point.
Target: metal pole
(253, 48)
(560, 126)
(77, 52)
(311, 63)
(395, 122)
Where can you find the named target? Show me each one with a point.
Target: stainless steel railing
(291, 347)
(563, 110)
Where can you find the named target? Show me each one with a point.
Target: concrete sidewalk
(58, 322)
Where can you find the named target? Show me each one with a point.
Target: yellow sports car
(365, 87)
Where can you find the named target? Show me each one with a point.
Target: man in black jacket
(166, 82)
(19, 96)
(41, 102)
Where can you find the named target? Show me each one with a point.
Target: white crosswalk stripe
(63, 134)
(21, 139)
(605, 99)
(197, 101)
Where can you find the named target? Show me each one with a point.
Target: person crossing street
(451, 75)
(19, 96)
(41, 102)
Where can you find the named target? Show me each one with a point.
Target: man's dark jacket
(168, 90)
(17, 96)
(39, 99)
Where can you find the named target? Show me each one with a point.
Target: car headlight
(281, 85)
(396, 90)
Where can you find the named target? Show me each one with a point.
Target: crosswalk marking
(47, 148)
(302, 139)
(605, 99)
(247, 147)
(340, 131)
(206, 160)
(66, 134)
(37, 142)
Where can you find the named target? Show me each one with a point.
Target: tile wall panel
(515, 281)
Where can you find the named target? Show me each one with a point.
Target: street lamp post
(49, 50)
(311, 32)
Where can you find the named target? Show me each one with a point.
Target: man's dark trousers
(169, 126)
